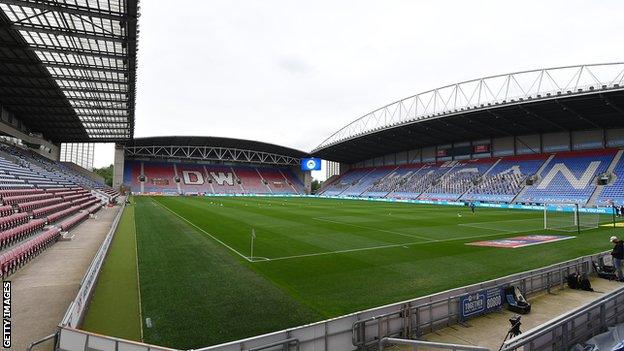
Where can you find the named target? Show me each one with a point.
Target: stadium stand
(565, 177)
(613, 193)
(505, 179)
(222, 180)
(418, 182)
(569, 177)
(192, 178)
(278, 182)
(375, 176)
(351, 178)
(393, 181)
(35, 193)
(462, 176)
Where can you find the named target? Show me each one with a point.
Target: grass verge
(114, 308)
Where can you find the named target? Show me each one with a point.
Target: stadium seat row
(19, 255)
(12, 200)
(43, 211)
(13, 235)
(13, 220)
(74, 221)
(29, 206)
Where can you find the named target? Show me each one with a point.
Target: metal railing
(75, 312)
(71, 339)
(42, 340)
(574, 327)
(429, 344)
(285, 344)
(417, 318)
(362, 330)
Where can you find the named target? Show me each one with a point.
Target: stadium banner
(521, 241)
(601, 210)
(311, 164)
(480, 303)
(479, 149)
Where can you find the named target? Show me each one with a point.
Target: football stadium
(473, 216)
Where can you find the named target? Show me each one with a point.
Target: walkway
(43, 289)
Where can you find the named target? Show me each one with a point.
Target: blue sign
(480, 302)
(310, 164)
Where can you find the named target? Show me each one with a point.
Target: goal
(570, 217)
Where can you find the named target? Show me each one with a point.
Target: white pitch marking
(371, 228)
(484, 225)
(205, 232)
(383, 247)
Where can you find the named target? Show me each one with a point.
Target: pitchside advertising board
(311, 164)
(480, 302)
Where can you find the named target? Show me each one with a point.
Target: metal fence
(574, 327)
(74, 340)
(409, 319)
(75, 312)
(357, 331)
(429, 345)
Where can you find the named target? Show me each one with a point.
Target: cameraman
(618, 255)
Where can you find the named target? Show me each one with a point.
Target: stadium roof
(212, 148)
(559, 99)
(68, 68)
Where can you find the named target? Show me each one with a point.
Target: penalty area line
(205, 232)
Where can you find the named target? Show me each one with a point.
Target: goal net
(570, 217)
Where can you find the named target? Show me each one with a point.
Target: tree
(106, 173)
(316, 185)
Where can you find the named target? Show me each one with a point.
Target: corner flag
(253, 236)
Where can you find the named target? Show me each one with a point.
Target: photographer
(618, 255)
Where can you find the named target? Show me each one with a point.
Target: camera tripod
(514, 330)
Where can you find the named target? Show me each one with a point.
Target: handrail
(41, 341)
(431, 344)
(277, 343)
(92, 273)
(547, 327)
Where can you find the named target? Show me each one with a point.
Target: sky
(293, 72)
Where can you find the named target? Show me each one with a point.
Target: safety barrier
(73, 339)
(428, 344)
(574, 327)
(361, 330)
(76, 309)
(409, 319)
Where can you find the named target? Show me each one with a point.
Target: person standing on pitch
(472, 207)
(618, 255)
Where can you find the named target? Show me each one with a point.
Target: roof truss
(209, 153)
(82, 55)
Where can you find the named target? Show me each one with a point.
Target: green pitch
(312, 259)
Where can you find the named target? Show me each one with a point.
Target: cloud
(292, 73)
(294, 65)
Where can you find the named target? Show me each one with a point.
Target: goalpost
(570, 218)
